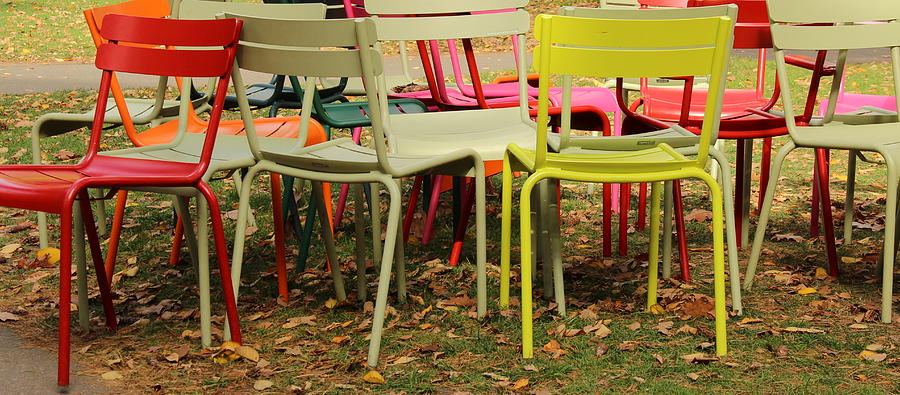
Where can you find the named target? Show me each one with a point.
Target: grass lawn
(786, 340)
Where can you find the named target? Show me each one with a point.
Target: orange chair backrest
(94, 17)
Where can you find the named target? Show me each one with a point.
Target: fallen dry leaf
(806, 291)
(795, 329)
(520, 383)
(404, 360)
(7, 316)
(261, 385)
(602, 348)
(248, 353)
(111, 375)
(693, 376)
(634, 326)
(373, 377)
(49, 254)
(330, 303)
(872, 356)
(699, 358)
(657, 309)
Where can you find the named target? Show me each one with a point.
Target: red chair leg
(175, 252)
(432, 209)
(814, 204)
(642, 207)
(222, 255)
(115, 232)
(825, 198)
(467, 203)
(65, 296)
(103, 282)
(678, 207)
(278, 223)
(739, 190)
(411, 207)
(624, 205)
(607, 220)
(766, 162)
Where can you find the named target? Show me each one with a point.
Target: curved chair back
(832, 25)
(460, 20)
(296, 47)
(218, 39)
(597, 47)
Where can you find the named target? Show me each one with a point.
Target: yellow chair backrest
(612, 47)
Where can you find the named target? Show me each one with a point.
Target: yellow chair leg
(525, 236)
(505, 232)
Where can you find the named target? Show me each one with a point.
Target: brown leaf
(700, 307)
(634, 326)
(699, 358)
(531, 368)
(795, 329)
(873, 356)
(693, 376)
(780, 351)
(7, 316)
(495, 376)
(628, 345)
(261, 385)
(248, 353)
(553, 347)
(665, 327)
(659, 358)
(699, 215)
(602, 348)
(340, 339)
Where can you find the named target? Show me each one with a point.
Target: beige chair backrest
(832, 25)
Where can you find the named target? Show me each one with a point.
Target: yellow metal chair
(608, 47)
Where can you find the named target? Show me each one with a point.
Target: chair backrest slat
(309, 63)
(816, 11)
(423, 7)
(453, 27)
(153, 61)
(281, 31)
(204, 9)
(156, 31)
(880, 35)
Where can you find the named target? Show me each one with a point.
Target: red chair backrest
(752, 28)
(166, 32)
(157, 54)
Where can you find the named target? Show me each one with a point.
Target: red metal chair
(746, 114)
(55, 188)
